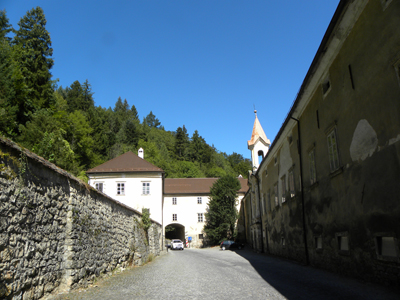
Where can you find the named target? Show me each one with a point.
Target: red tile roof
(195, 185)
(128, 162)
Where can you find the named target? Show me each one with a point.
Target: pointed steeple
(258, 144)
(258, 133)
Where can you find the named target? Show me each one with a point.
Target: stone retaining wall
(58, 233)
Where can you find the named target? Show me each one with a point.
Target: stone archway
(178, 232)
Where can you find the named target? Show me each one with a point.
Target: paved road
(215, 274)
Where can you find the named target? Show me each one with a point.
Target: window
(174, 201)
(269, 200)
(343, 242)
(265, 199)
(200, 217)
(146, 188)
(262, 204)
(318, 242)
(397, 69)
(276, 194)
(333, 151)
(199, 200)
(299, 182)
(283, 183)
(201, 236)
(174, 217)
(260, 156)
(351, 77)
(313, 173)
(291, 184)
(326, 86)
(386, 247)
(99, 186)
(385, 3)
(120, 188)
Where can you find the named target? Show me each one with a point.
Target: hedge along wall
(58, 233)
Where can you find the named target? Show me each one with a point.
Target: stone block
(17, 295)
(48, 287)
(5, 290)
(28, 295)
(6, 255)
(3, 240)
(8, 276)
(38, 292)
(16, 287)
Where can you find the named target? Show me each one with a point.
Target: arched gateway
(175, 231)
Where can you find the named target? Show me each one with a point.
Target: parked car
(231, 245)
(176, 244)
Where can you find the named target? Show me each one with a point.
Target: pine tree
(79, 96)
(34, 58)
(181, 143)
(88, 102)
(5, 27)
(8, 105)
(221, 213)
(74, 96)
(134, 113)
(151, 120)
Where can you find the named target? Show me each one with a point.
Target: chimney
(141, 153)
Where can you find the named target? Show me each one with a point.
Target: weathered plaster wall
(351, 210)
(57, 233)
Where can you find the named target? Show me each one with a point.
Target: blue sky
(199, 63)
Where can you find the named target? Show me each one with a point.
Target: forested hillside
(64, 125)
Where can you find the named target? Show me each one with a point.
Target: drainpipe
(251, 211)
(245, 213)
(259, 205)
(302, 193)
(162, 212)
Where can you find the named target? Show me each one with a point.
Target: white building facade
(132, 181)
(179, 203)
(185, 205)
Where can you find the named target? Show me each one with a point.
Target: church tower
(258, 145)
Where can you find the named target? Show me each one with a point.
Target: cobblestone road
(215, 274)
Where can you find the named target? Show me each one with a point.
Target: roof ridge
(127, 162)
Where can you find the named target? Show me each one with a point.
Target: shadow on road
(295, 281)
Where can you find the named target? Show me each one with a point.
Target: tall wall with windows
(330, 181)
(188, 211)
